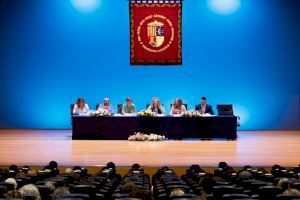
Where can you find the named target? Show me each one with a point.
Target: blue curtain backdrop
(51, 53)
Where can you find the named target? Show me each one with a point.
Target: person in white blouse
(156, 106)
(177, 108)
(106, 106)
(80, 108)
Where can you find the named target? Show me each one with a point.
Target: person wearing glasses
(106, 106)
(128, 107)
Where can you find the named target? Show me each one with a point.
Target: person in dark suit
(203, 107)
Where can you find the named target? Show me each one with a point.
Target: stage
(257, 148)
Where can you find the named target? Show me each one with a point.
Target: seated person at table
(128, 107)
(177, 108)
(80, 108)
(156, 107)
(203, 107)
(106, 106)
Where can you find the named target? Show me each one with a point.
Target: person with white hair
(30, 190)
(50, 185)
(60, 192)
(106, 106)
(12, 181)
(177, 192)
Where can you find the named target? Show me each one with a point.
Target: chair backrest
(119, 107)
(71, 108)
(185, 105)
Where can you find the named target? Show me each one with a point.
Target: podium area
(121, 127)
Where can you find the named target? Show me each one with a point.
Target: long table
(120, 127)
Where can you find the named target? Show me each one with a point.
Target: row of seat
(224, 183)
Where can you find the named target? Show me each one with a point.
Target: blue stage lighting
(86, 6)
(224, 7)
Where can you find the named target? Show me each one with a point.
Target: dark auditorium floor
(256, 148)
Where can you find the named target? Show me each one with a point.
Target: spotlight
(224, 7)
(86, 6)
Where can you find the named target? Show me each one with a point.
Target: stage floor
(257, 148)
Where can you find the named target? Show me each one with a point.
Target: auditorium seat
(184, 196)
(163, 182)
(219, 191)
(284, 197)
(44, 192)
(7, 186)
(119, 107)
(269, 192)
(234, 196)
(71, 108)
(79, 195)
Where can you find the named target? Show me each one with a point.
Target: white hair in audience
(12, 181)
(60, 192)
(177, 192)
(30, 190)
(291, 192)
(50, 185)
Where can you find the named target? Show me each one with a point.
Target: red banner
(155, 34)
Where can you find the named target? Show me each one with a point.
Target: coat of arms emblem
(156, 33)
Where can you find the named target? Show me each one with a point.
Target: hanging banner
(155, 33)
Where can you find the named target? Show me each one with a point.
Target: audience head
(207, 183)
(12, 181)
(68, 170)
(222, 165)
(21, 174)
(196, 169)
(128, 187)
(135, 167)
(30, 190)
(60, 192)
(177, 192)
(31, 172)
(140, 194)
(110, 165)
(13, 168)
(13, 194)
(291, 192)
(50, 185)
(129, 101)
(283, 183)
(80, 102)
(245, 175)
(53, 165)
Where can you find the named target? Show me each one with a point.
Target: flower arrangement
(146, 113)
(100, 113)
(138, 136)
(192, 113)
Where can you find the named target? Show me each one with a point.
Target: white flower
(138, 136)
